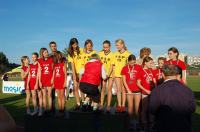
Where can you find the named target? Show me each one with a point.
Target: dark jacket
(172, 103)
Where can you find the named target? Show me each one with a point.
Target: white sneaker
(34, 113)
(28, 112)
(40, 113)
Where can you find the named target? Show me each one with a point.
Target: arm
(73, 71)
(39, 76)
(24, 74)
(141, 87)
(65, 75)
(125, 84)
(52, 79)
(184, 76)
(28, 81)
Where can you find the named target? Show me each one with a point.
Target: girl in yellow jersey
(107, 57)
(121, 59)
(76, 59)
(88, 51)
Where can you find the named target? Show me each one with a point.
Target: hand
(129, 91)
(27, 87)
(64, 86)
(148, 92)
(52, 81)
(35, 87)
(40, 84)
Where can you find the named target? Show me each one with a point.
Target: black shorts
(91, 91)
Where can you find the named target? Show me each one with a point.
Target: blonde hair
(121, 41)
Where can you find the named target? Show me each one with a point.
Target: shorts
(91, 91)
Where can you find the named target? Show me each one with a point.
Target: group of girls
(44, 74)
(134, 77)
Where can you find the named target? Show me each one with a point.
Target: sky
(28, 25)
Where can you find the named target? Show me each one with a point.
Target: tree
(4, 64)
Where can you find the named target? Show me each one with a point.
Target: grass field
(15, 104)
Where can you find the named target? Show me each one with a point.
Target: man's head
(170, 71)
(94, 56)
(53, 46)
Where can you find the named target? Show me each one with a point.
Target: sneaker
(28, 112)
(34, 113)
(40, 113)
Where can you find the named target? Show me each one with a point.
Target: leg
(130, 105)
(137, 98)
(103, 92)
(28, 101)
(34, 99)
(109, 96)
(119, 91)
(62, 94)
(49, 89)
(44, 96)
(59, 99)
(123, 95)
(76, 92)
(39, 92)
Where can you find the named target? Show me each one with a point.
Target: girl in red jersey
(32, 83)
(45, 76)
(145, 82)
(59, 80)
(173, 54)
(129, 74)
(158, 71)
(24, 76)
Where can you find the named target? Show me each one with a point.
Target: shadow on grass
(11, 99)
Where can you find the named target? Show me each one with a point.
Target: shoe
(118, 109)
(123, 109)
(108, 110)
(34, 113)
(28, 112)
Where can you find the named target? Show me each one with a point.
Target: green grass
(15, 104)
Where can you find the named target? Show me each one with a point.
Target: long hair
(88, 41)
(58, 57)
(174, 50)
(42, 51)
(24, 58)
(145, 51)
(147, 59)
(70, 49)
(121, 41)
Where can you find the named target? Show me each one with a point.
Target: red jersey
(146, 77)
(157, 73)
(25, 69)
(46, 71)
(179, 63)
(92, 73)
(131, 72)
(33, 76)
(59, 75)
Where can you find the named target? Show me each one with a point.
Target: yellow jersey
(106, 59)
(121, 59)
(86, 56)
(77, 60)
